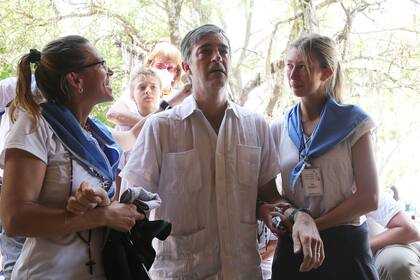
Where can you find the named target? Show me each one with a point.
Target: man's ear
(74, 82)
(186, 68)
(328, 72)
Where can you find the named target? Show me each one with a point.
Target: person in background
(10, 247)
(165, 59)
(145, 91)
(267, 242)
(392, 237)
(47, 166)
(325, 148)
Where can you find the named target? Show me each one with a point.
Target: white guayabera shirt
(208, 183)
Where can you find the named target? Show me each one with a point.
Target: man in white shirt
(207, 159)
(391, 236)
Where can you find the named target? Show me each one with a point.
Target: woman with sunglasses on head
(165, 60)
(327, 166)
(56, 157)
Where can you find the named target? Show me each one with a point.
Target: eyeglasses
(161, 66)
(102, 62)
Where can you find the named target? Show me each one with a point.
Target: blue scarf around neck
(100, 164)
(336, 123)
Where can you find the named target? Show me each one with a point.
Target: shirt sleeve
(143, 166)
(270, 165)
(7, 92)
(364, 127)
(275, 129)
(29, 137)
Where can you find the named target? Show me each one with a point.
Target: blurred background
(378, 42)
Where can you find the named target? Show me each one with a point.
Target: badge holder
(312, 181)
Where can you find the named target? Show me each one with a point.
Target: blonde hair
(324, 49)
(138, 71)
(166, 51)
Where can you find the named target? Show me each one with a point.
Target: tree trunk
(173, 10)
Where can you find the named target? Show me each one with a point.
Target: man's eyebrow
(204, 46)
(224, 46)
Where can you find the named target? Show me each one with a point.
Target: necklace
(86, 127)
(91, 262)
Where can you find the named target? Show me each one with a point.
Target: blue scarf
(336, 123)
(83, 148)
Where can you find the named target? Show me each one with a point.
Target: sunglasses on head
(169, 67)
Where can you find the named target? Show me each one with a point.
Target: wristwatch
(164, 105)
(292, 215)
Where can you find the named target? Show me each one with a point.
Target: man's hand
(87, 197)
(266, 212)
(306, 238)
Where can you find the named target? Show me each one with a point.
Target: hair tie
(34, 56)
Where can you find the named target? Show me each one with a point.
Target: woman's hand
(121, 216)
(306, 238)
(87, 197)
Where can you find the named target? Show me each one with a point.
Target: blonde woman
(327, 165)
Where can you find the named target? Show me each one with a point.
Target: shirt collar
(190, 105)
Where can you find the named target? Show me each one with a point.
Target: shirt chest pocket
(248, 164)
(182, 196)
(181, 172)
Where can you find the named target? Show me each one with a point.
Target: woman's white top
(62, 256)
(335, 166)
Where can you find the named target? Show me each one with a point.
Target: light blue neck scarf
(100, 164)
(336, 123)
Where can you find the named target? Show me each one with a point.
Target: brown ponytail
(24, 97)
(57, 59)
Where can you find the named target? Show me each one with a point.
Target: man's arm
(268, 251)
(400, 230)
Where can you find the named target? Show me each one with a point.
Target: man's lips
(217, 71)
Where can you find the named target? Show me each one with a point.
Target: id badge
(312, 182)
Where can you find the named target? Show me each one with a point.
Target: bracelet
(295, 211)
(289, 212)
(164, 105)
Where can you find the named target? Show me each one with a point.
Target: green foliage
(380, 53)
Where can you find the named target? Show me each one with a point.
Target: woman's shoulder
(29, 124)
(365, 126)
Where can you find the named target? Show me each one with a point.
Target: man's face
(209, 62)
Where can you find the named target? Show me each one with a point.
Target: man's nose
(216, 55)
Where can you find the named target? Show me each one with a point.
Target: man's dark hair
(192, 37)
